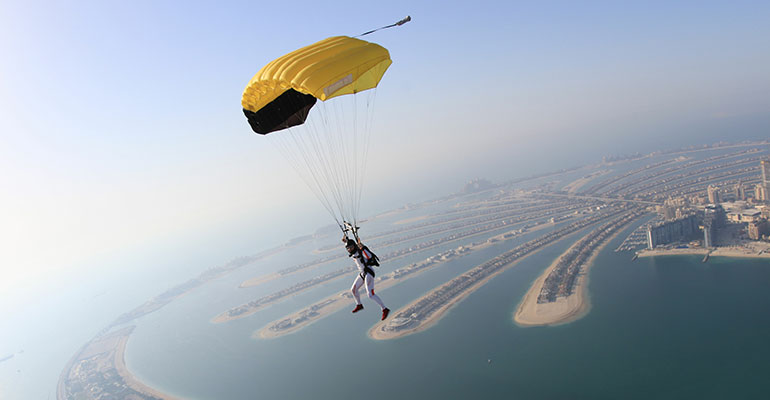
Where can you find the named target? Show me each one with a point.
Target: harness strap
(367, 270)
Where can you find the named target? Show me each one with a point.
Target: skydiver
(363, 259)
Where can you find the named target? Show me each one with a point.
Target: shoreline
(530, 313)
(130, 379)
(379, 331)
(376, 332)
(271, 276)
(335, 302)
(258, 280)
(575, 185)
(713, 252)
(565, 309)
(103, 358)
(267, 301)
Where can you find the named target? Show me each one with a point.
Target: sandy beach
(311, 314)
(564, 309)
(744, 250)
(575, 185)
(410, 220)
(258, 280)
(377, 332)
(104, 359)
(335, 302)
(577, 305)
(130, 379)
(225, 316)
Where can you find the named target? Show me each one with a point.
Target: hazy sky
(121, 126)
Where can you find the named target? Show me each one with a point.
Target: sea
(664, 327)
(667, 327)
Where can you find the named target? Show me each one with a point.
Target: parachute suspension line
(363, 128)
(307, 143)
(325, 154)
(283, 147)
(292, 149)
(399, 23)
(347, 145)
(329, 146)
(301, 145)
(367, 133)
(330, 152)
(350, 139)
(354, 205)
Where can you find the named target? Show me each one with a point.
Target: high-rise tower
(713, 193)
(764, 165)
(740, 192)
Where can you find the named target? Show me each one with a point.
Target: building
(751, 215)
(713, 219)
(666, 211)
(713, 193)
(740, 191)
(478, 185)
(709, 232)
(741, 211)
(764, 165)
(674, 208)
(759, 228)
(764, 211)
(760, 192)
(672, 231)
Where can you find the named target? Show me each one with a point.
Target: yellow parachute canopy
(281, 94)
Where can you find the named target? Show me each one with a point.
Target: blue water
(667, 327)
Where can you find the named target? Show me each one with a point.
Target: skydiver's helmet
(351, 246)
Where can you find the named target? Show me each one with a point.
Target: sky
(122, 136)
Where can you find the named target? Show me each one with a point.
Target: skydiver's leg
(370, 291)
(357, 285)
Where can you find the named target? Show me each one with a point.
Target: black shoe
(385, 312)
(358, 308)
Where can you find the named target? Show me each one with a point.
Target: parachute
(328, 148)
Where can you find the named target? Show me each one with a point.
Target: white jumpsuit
(368, 280)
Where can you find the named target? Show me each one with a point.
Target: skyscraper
(713, 193)
(764, 165)
(740, 192)
(760, 192)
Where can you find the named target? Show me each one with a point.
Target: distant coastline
(731, 252)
